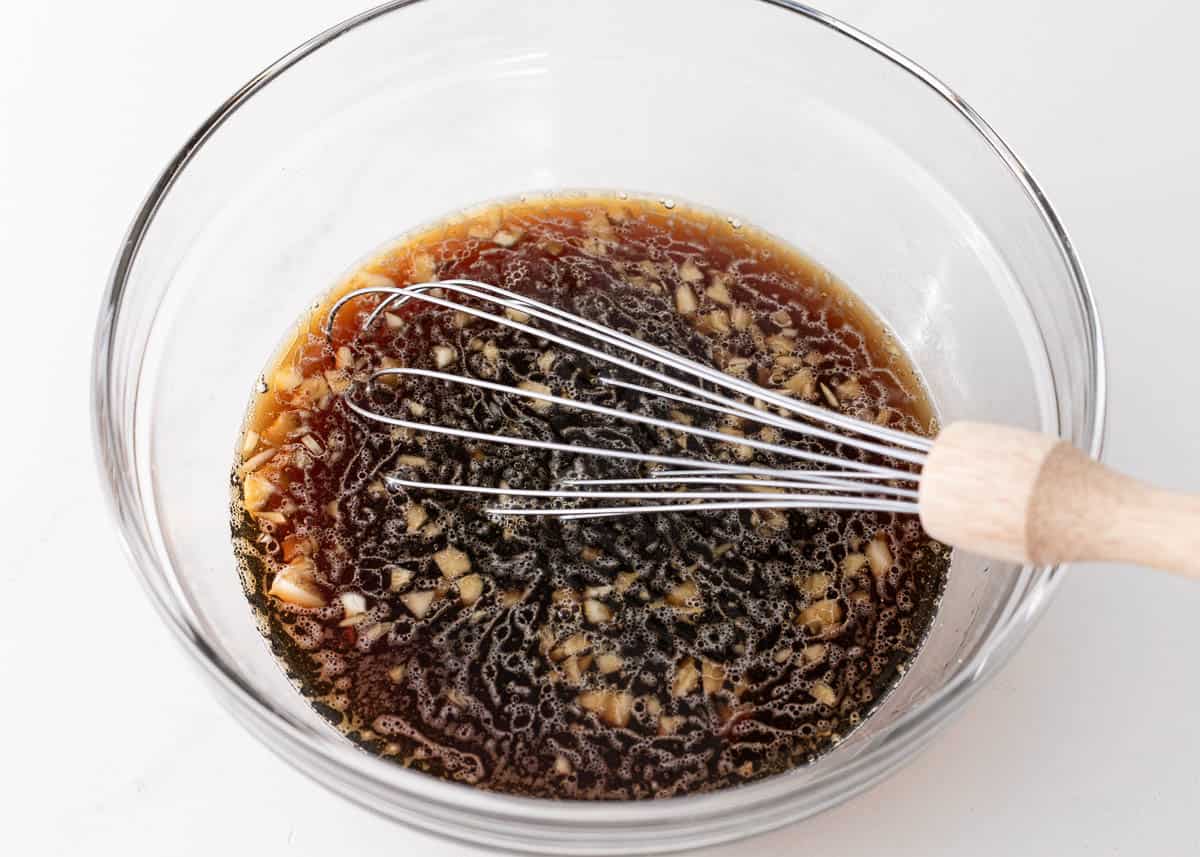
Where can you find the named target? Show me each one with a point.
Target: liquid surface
(609, 658)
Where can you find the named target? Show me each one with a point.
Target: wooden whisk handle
(1018, 495)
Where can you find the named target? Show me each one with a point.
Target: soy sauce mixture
(610, 658)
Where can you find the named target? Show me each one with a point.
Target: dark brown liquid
(606, 658)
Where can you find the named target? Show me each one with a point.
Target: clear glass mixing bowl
(769, 111)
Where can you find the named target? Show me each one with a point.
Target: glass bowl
(768, 111)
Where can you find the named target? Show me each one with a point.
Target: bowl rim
(775, 800)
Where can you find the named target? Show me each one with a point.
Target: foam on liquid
(624, 657)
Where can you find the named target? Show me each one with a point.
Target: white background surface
(1085, 744)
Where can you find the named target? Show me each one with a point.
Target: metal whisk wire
(555, 315)
(843, 483)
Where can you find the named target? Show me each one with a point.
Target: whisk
(1000, 491)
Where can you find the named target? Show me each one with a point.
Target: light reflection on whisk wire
(850, 485)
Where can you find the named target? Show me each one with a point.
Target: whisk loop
(826, 482)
